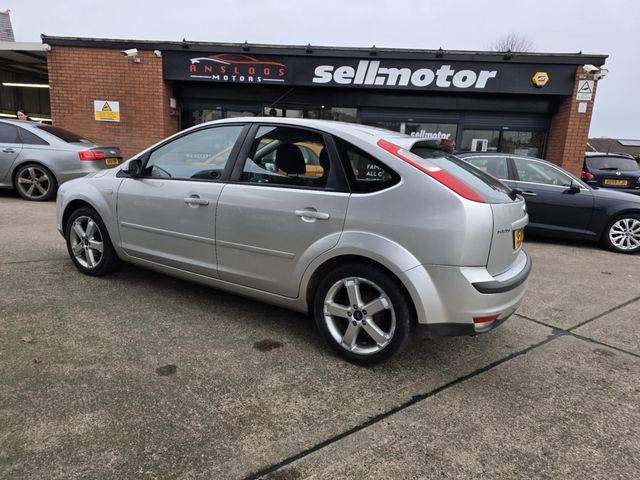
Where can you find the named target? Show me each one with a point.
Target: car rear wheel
(363, 314)
(35, 182)
(623, 234)
(89, 244)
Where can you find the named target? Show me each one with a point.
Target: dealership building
(133, 93)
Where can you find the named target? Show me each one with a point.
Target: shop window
(287, 156)
(432, 131)
(522, 143)
(480, 141)
(200, 155)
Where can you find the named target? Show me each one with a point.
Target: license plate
(616, 182)
(518, 237)
(111, 161)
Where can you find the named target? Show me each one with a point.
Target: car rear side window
(494, 166)
(65, 135)
(8, 133)
(29, 138)
(366, 174)
(287, 156)
(612, 163)
(491, 189)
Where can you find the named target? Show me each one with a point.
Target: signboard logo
(232, 67)
(371, 73)
(540, 79)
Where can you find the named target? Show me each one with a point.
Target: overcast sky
(608, 27)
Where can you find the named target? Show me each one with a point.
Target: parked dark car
(560, 205)
(611, 170)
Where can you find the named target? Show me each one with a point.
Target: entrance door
(283, 211)
(168, 215)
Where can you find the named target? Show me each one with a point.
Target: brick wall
(78, 76)
(569, 131)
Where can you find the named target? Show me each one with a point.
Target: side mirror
(133, 168)
(574, 187)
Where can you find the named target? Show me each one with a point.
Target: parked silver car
(36, 158)
(385, 235)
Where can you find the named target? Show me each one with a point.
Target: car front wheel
(363, 314)
(623, 234)
(89, 244)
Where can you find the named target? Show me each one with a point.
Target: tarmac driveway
(139, 375)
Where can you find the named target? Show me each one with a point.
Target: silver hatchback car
(36, 158)
(373, 232)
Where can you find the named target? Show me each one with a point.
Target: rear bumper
(448, 299)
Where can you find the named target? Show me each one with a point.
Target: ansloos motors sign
(371, 73)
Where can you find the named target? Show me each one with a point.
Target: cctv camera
(157, 53)
(590, 68)
(132, 52)
(601, 74)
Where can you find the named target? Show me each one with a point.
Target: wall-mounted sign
(585, 90)
(582, 107)
(367, 73)
(106, 110)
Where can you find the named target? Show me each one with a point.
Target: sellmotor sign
(345, 72)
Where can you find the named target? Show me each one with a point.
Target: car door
(551, 204)
(167, 215)
(10, 148)
(278, 215)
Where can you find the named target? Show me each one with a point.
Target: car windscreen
(612, 163)
(491, 189)
(65, 135)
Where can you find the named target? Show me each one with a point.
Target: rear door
(168, 215)
(551, 204)
(277, 214)
(10, 148)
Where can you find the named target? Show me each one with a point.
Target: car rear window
(65, 135)
(612, 163)
(491, 189)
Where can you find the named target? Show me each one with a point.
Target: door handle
(309, 213)
(528, 194)
(9, 150)
(196, 200)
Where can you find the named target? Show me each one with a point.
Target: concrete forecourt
(145, 376)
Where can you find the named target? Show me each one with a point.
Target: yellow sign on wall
(106, 110)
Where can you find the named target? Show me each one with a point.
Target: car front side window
(537, 172)
(200, 155)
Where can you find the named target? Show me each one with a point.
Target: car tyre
(363, 313)
(622, 235)
(35, 182)
(89, 244)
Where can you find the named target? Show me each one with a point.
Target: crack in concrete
(556, 333)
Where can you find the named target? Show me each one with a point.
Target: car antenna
(275, 102)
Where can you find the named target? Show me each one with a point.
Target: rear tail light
(586, 176)
(91, 155)
(485, 320)
(435, 172)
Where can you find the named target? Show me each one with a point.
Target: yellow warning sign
(106, 110)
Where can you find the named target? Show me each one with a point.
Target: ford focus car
(388, 236)
(36, 158)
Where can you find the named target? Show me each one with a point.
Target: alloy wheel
(624, 234)
(359, 315)
(86, 242)
(34, 183)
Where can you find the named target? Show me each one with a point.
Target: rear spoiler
(445, 145)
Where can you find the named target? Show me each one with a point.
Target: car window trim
(582, 186)
(339, 177)
(226, 172)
